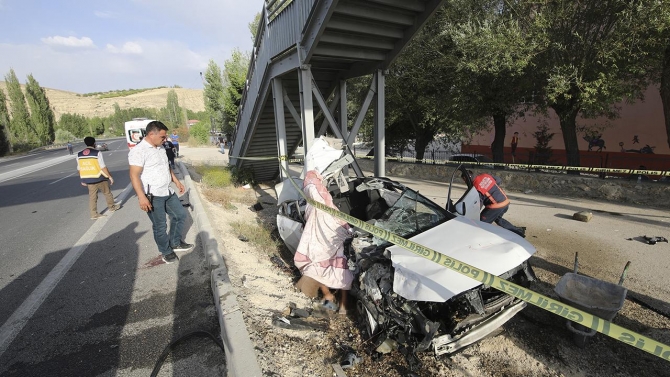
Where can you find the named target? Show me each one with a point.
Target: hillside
(69, 102)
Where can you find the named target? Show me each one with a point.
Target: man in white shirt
(151, 176)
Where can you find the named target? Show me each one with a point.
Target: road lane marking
(4, 177)
(11, 328)
(58, 180)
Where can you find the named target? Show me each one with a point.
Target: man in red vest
(495, 201)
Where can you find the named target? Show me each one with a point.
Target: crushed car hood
(485, 246)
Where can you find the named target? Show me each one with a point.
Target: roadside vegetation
(258, 235)
(119, 93)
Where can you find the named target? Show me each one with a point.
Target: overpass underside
(305, 52)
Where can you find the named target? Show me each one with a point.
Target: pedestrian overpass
(304, 52)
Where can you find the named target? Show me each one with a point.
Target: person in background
(69, 148)
(170, 152)
(174, 138)
(494, 199)
(515, 142)
(96, 177)
(151, 176)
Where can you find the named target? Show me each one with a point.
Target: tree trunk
(568, 119)
(665, 91)
(497, 148)
(422, 141)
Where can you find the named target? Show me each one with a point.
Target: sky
(87, 46)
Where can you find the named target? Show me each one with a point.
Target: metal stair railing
(274, 36)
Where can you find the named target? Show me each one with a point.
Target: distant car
(472, 159)
(101, 147)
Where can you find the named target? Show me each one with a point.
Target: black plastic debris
(256, 207)
(654, 240)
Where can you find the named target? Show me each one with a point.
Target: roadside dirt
(534, 343)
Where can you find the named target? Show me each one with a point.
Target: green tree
(173, 113)
(213, 93)
(21, 130)
(5, 145)
(234, 76)
(96, 125)
(199, 133)
(421, 95)
(591, 61)
(75, 124)
(543, 151)
(656, 33)
(41, 114)
(492, 54)
(253, 27)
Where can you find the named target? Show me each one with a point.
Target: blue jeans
(162, 206)
(490, 215)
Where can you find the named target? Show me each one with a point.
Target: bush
(242, 176)
(215, 176)
(63, 136)
(199, 134)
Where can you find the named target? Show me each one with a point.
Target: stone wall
(653, 194)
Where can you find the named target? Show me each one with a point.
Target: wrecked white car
(407, 302)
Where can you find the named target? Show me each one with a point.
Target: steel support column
(307, 109)
(278, 99)
(379, 131)
(344, 121)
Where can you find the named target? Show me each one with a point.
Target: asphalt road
(84, 297)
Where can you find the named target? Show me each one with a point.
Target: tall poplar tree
(41, 114)
(213, 93)
(173, 112)
(234, 80)
(5, 145)
(21, 130)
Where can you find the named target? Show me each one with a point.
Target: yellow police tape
(506, 165)
(546, 167)
(557, 307)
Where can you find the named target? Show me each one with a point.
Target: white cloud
(128, 48)
(74, 42)
(104, 14)
(224, 21)
(161, 63)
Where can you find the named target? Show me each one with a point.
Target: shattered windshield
(411, 214)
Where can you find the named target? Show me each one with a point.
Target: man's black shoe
(170, 258)
(183, 246)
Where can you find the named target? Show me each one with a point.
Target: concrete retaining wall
(653, 194)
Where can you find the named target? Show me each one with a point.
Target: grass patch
(256, 234)
(214, 176)
(223, 197)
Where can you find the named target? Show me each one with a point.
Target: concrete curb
(240, 353)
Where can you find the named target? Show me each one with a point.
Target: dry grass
(258, 235)
(69, 102)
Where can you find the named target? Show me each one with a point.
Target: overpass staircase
(303, 55)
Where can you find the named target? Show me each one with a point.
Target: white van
(135, 130)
